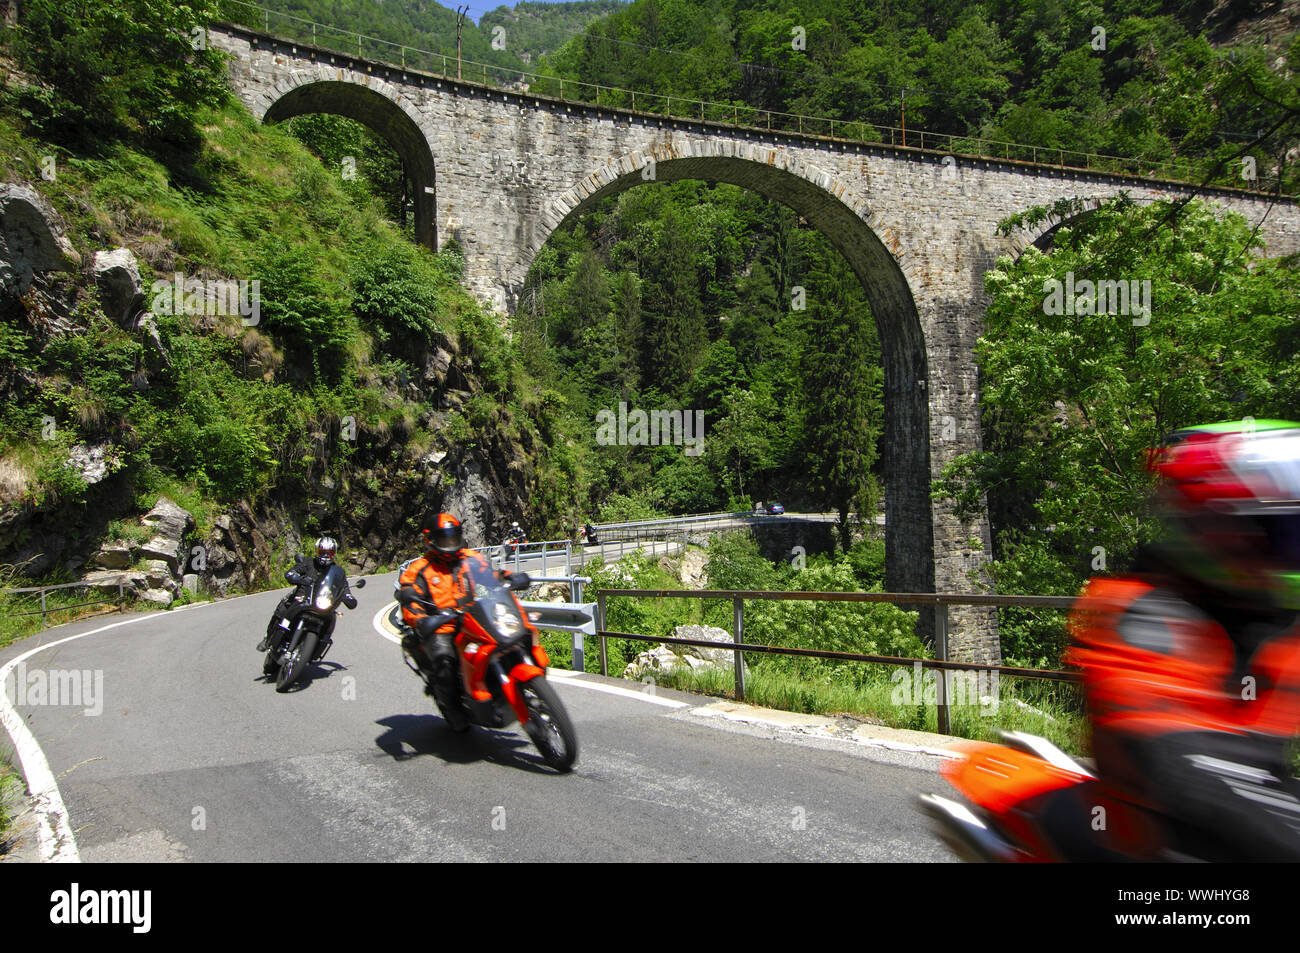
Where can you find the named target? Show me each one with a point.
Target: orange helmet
(443, 534)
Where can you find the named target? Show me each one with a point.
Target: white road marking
(54, 833)
(645, 695)
(378, 623)
(569, 678)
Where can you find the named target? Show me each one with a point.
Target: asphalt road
(194, 757)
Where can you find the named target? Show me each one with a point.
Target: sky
(478, 7)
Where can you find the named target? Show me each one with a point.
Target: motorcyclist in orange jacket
(435, 578)
(1191, 664)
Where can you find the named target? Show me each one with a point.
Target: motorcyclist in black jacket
(302, 576)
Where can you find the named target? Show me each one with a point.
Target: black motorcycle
(305, 632)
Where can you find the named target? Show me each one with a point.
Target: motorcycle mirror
(518, 581)
(361, 584)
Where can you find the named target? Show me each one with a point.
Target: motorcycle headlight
(507, 621)
(325, 600)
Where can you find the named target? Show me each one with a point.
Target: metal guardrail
(251, 16)
(43, 611)
(576, 554)
(940, 602)
(577, 617)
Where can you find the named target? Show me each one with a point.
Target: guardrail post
(738, 620)
(600, 627)
(121, 598)
(579, 663)
(568, 558)
(943, 723)
(543, 557)
(42, 608)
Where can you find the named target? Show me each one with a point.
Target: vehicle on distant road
(774, 509)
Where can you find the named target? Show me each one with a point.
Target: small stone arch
(380, 107)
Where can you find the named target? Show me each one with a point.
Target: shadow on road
(411, 736)
(315, 672)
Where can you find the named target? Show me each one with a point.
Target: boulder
(551, 592)
(436, 366)
(169, 523)
(92, 462)
(158, 354)
(107, 579)
(667, 657)
(160, 596)
(159, 573)
(31, 239)
(120, 290)
(690, 568)
(114, 555)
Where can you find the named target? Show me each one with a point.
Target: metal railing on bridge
(674, 531)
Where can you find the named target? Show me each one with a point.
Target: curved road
(194, 757)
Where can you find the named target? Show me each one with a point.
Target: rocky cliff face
(371, 501)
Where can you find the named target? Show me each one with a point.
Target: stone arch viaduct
(500, 170)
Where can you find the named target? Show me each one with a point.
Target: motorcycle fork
(505, 692)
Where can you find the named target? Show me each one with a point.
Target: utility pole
(460, 18)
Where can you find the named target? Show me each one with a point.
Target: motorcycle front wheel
(297, 662)
(548, 725)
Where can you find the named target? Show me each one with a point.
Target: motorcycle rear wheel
(272, 661)
(297, 662)
(548, 725)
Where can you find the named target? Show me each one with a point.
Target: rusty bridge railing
(939, 601)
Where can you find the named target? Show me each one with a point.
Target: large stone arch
(379, 106)
(857, 232)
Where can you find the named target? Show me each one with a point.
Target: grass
(1050, 709)
(11, 786)
(58, 601)
(1059, 719)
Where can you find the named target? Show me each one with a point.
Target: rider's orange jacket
(1152, 664)
(434, 582)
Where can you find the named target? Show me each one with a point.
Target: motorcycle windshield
(329, 588)
(493, 605)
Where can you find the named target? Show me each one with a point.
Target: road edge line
(54, 832)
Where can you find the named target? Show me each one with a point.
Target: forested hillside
(367, 387)
(688, 296)
(530, 30)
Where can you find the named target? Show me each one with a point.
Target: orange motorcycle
(502, 665)
(1033, 802)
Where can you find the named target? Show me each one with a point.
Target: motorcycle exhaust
(965, 834)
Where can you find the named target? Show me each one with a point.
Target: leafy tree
(842, 384)
(1074, 400)
(118, 67)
